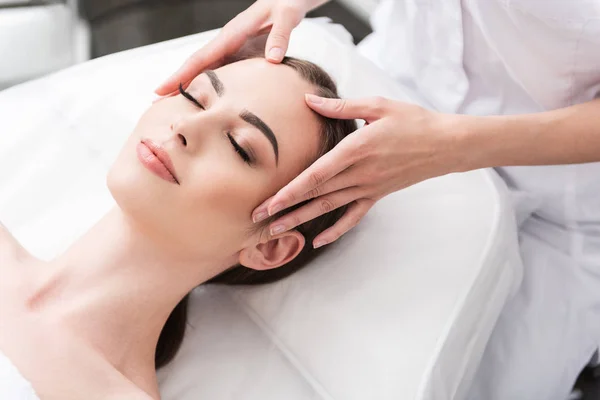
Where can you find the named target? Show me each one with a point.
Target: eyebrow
(216, 82)
(252, 119)
(246, 115)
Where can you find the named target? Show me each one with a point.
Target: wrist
(485, 142)
(463, 146)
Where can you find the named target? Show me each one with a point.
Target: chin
(138, 193)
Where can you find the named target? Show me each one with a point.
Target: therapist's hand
(276, 17)
(400, 145)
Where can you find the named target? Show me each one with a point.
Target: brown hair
(332, 132)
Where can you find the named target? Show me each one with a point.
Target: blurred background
(38, 37)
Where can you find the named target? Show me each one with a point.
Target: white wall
(38, 40)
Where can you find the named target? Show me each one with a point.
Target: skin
(403, 144)
(161, 240)
(269, 21)
(379, 159)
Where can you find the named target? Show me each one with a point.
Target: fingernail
(320, 243)
(277, 229)
(275, 209)
(260, 216)
(311, 98)
(157, 99)
(275, 53)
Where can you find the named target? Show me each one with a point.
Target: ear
(277, 251)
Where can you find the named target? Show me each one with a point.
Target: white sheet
(400, 308)
(12, 384)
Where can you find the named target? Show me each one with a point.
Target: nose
(180, 137)
(192, 131)
(176, 131)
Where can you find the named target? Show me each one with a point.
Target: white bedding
(400, 308)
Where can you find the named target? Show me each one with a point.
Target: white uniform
(486, 57)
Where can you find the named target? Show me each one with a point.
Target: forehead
(275, 93)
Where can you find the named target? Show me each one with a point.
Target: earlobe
(279, 250)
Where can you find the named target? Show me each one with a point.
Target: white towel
(13, 385)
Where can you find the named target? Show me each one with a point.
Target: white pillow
(399, 308)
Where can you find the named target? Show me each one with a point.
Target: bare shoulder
(10, 248)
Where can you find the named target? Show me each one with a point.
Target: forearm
(565, 136)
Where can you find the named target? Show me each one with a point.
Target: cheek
(223, 190)
(132, 186)
(154, 122)
(212, 207)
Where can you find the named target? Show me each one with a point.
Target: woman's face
(253, 104)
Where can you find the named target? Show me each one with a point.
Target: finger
(260, 213)
(350, 177)
(322, 170)
(314, 209)
(264, 30)
(286, 19)
(229, 40)
(174, 93)
(369, 109)
(355, 212)
(343, 180)
(192, 67)
(200, 60)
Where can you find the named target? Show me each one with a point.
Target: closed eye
(239, 150)
(189, 97)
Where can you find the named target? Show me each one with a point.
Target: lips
(156, 158)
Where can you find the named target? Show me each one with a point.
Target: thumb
(283, 24)
(369, 109)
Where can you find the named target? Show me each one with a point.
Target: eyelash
(238, 149)
(189, 97)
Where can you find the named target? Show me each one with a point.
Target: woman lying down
(97, 321)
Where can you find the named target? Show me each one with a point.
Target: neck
(115, 287)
